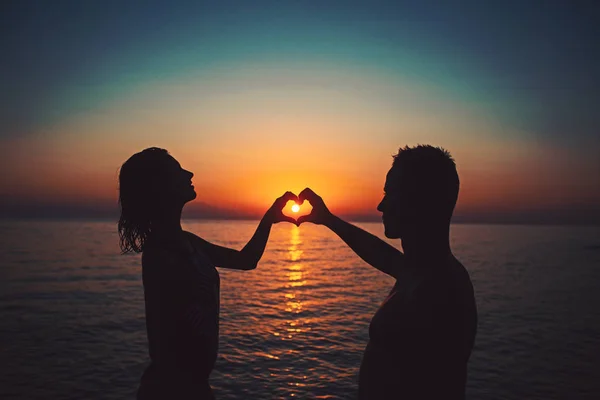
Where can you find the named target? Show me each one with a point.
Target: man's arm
(367, 246)
(250, 255)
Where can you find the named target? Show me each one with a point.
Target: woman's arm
(248, 257)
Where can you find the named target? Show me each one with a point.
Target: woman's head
(152, 184)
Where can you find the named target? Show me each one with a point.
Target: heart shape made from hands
(295, 210)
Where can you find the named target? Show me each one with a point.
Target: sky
(257, 98)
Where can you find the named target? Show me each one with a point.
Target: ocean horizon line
(458, 221)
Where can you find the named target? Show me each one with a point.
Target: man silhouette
(421, 338)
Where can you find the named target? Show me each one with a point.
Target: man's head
(420, 190)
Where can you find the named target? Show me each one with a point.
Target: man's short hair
(431, 176)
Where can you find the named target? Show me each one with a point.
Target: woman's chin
(192, 195)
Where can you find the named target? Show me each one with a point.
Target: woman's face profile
(178, 182)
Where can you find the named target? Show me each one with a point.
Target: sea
(72, 312)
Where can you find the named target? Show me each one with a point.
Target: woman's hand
(275, 213)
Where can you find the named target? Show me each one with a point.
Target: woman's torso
(181, 290)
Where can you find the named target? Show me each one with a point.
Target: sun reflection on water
(295, 289)
(296, 275)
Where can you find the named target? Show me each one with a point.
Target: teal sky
(524, 62)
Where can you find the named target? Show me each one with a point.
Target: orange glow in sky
(234, 135)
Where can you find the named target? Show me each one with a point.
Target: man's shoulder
(453, 272)
(446, 282)
(461, 277)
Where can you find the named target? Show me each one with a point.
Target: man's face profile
(393, 206)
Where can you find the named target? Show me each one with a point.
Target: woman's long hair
(139, 194)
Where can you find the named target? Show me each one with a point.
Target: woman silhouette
(181, 283)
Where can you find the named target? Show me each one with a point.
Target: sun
(295, 208)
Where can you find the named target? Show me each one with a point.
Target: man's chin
(391, 233)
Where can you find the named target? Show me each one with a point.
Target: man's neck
(427, 244)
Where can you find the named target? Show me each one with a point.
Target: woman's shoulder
(155, 254)
(163, 256)
(163, 246)
(194, 240)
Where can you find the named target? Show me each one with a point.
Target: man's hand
(320, 214)
(275, 213)
(367, 246)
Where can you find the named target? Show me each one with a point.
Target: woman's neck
(167, 224)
